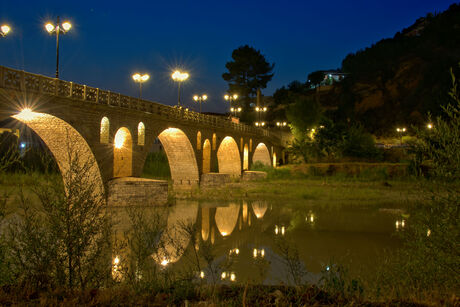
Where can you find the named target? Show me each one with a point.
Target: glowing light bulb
(205, 97)
(5, 29)
(116, 260)
(49, 27)
(195, 98)
(66, 26)
(164, 262)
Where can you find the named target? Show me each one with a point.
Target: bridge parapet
(23, 81)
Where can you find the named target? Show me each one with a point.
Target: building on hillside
(330, 77)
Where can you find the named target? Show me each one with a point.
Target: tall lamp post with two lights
(231, 99)
(58, 29)
(179, 77)
(140, 79)
(200, 99)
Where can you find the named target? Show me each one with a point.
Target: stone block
(214, 179)
(253, 175)
(132, 191)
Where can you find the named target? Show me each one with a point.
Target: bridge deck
(23, 81)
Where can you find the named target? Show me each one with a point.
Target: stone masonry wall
(131, 191)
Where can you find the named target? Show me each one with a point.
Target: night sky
(110, 40)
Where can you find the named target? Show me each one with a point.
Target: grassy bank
(369, 188)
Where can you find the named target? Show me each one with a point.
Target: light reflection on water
(247, 231)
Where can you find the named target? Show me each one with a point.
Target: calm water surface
(250, 233)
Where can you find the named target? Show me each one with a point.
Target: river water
(250, 236)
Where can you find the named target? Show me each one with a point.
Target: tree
(247, 72)
(305, 113)
(316, 77)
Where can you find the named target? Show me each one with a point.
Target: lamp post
(200, 99)
(400, 132)
(58, 28)
(260, 110)
(140, 79)
(4, 30)
(179, 77)
(231, 99)
(281, 124)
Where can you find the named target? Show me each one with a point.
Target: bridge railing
(24, 81)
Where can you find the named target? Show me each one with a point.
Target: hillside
(398, 81)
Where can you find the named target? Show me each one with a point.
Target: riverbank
(369, 189)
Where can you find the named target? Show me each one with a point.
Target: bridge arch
(174, 241)
(69, 148)
(261, 154)
(123, 153)
(226, 218)
(228, 157)
(206, 157)
(141, 134)
(198, 140)
(181, 156)
(105, 129)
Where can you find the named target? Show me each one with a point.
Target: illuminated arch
(259, 208)
(68, 147)
(261, 154)
(228, 157)
(274, 159)
(123, 153)
(226, 219)
(105, 128)
(181, 157)
(198, 140)
(141, 134)
(245, 158)
(206, 156)
(174, 240)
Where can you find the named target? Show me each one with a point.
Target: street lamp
(231, 99)
(429, 126)
(281, 124)
(260, 124)
(58, 28)
(140, 79)
(400, 131)
(200, 99)
(179, 77)
(260, 110)
(4, 30)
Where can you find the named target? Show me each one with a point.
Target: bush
(156, 166)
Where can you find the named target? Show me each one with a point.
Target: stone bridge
(116, 132)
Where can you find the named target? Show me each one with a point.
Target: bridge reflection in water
(355, 237)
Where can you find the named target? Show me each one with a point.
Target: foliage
(440, 146)
(283, 97)
(428, 263)
(66, 241)
(303, 114)
(334, 141)
(316, 77)
(156, 166)
(247, 72)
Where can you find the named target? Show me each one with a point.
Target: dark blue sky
(110, 40)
